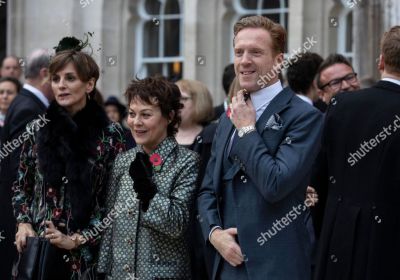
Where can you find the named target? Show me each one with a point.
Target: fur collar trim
(66, 153)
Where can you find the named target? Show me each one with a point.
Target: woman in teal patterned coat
(146, 237)
(65, 164)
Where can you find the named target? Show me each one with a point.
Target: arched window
(161, 38)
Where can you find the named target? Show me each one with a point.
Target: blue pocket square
(274, 122)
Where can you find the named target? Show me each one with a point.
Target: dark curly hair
(302, 71)
(158, 91)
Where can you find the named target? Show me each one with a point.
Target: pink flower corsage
(228, 112)
(156, 161)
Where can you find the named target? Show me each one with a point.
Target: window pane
(154, 69)
(150, 40)
(249, 4)
(152, 7)
(274, 17)
(173, 70)
(172, 7)
(271, 4)
(349, 33)
(171, 37)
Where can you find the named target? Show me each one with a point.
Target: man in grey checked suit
(251, 202)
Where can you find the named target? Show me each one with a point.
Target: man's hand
(24, 230)
(311, 197)
(224, 242)
(242, 112)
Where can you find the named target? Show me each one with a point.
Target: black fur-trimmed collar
(66, 151)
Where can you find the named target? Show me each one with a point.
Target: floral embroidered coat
(153, 241)
(66, 152)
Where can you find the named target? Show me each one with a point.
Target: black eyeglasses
(337, 83)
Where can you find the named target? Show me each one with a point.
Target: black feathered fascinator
(72, 43)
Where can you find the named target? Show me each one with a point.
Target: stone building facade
(191, 38)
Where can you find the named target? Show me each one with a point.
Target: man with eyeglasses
(335, 75)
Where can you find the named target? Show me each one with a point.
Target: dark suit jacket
(272, 169)
(24, 108)
(360, 237)
(218, 111)
(202, 257)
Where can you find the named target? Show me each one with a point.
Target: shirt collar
(265, 95)
(38, 94)
(305, 98)
(392, 80)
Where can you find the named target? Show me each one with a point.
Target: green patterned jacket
(156, 245)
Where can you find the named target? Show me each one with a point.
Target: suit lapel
(280, 102)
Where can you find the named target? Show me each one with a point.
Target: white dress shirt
(392, 80)
(305, 98)
(264, 96)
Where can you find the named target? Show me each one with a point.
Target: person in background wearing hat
(116, 112)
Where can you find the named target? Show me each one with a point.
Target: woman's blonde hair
(233, 89)
(201, 97)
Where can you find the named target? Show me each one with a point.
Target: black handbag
(41, 260)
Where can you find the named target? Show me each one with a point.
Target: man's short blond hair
(390, 49)
(277, 32)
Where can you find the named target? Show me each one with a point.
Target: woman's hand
(141, 172)
(311, 197)
(24, 230)
(57, 238)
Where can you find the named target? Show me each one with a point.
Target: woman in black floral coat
(65, 163)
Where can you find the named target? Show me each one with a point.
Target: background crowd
(210, 185)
